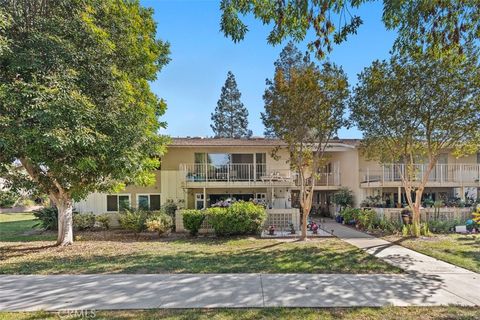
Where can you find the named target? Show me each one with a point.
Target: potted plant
(406, 216)
(271, 230)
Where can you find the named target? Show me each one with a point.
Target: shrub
(388, 226)
(366, 218)
(103, 221)
(192, 220)
(350, 214)
(443, 226)
(160, 223)
(26, 202)
(83, 221)
(48, 218)
(8, 199)
(169, 208)
(424, 230)
(240, 218)
(133, 220)
(343, 198)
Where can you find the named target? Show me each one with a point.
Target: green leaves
(230, 119)
(436, 27)
(418, 106)
(75, 100)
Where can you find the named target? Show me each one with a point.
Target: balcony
(235, 174)
(325, 179)
(442, 175)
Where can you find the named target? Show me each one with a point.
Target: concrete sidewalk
(227, 291)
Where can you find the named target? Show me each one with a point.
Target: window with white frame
(118, 202)
(148, 201)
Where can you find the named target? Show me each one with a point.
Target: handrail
(233, 172)
(441, 173)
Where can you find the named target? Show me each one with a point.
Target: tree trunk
(65, 221)
(305, 214)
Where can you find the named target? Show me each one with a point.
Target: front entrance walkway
(406, 259)
(427, 282)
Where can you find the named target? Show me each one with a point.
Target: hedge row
(238, 219)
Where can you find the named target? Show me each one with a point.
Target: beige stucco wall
(178, 155)
(352, 166)
(97, 202)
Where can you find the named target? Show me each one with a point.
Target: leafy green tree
(305, 110)
(289, 58)
(230, 119)
(411, 109)
(432, 25)
(76, 109)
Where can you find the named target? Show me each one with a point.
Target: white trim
(129, 195)
(149, 194)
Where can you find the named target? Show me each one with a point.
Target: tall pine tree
(230, 119)
(289, 58)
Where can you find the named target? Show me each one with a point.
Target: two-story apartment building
(199, 172)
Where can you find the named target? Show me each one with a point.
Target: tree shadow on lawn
(262, 259)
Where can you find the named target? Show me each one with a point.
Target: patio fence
(427, 214)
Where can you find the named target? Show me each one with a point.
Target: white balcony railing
(468, 174)
(235, 172)
(325, 179)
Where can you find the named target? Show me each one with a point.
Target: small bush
(366, 218)
(8, 199)
(240, 218)
(443, 226)
(388, 226)
(192, 220)
(133, 220)
(413, 230)
(83, 221)
(48, 218)
(350, 215)
(160, 223)
(169, 208)
(103, 221)
(424, 230)
(343, 198)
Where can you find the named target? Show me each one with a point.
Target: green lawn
(117, 252)
(386, 313)
(460, 250)
(18, 227)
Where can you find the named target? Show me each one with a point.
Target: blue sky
(201, 57)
